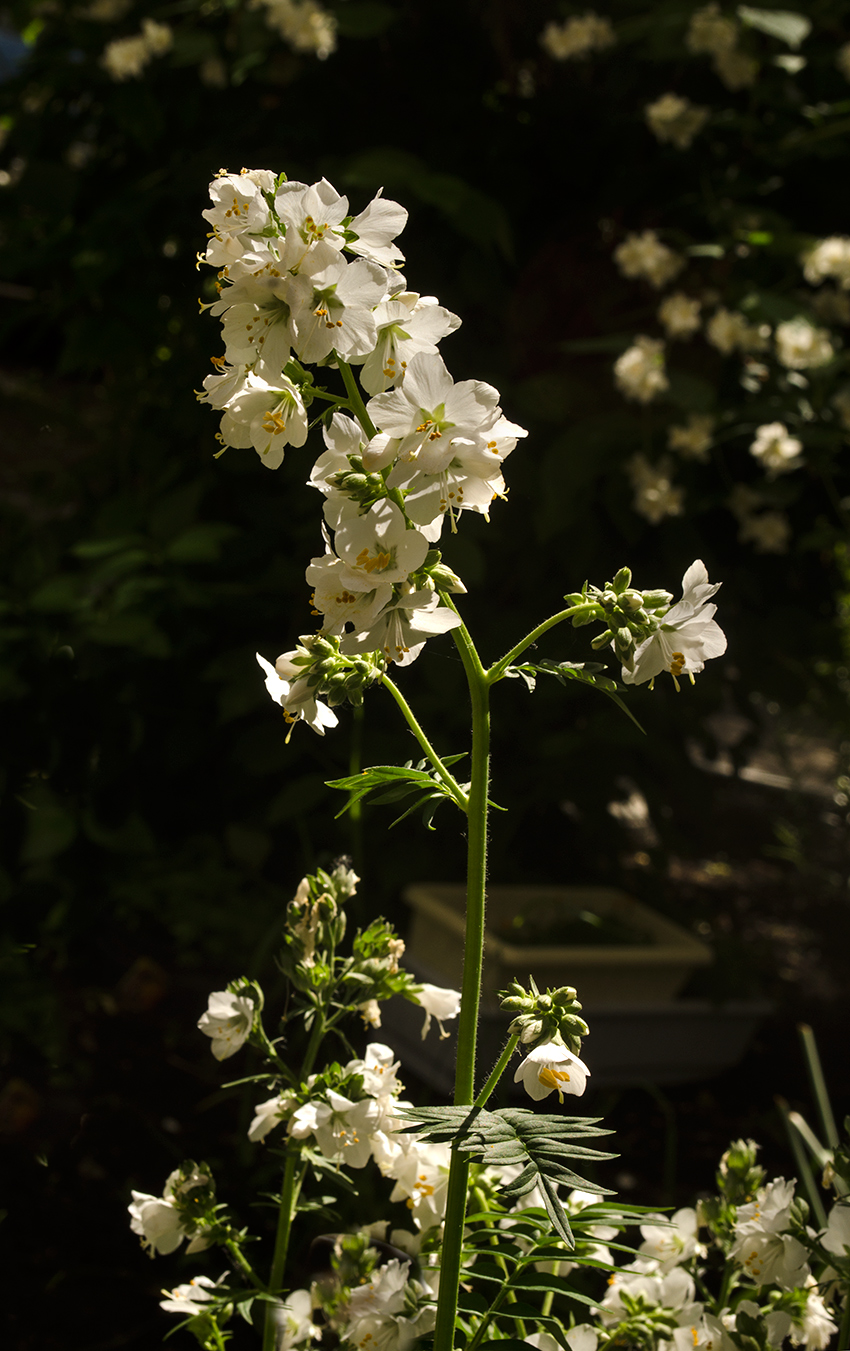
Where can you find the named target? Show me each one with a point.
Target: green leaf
(539, 1143)
(397, 781)
(200, 543)
(784, 24)
(587, 672)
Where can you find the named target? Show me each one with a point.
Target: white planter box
(647, 972)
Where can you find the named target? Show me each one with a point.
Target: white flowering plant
(307, 293)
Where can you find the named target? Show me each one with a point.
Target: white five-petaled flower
(294, 696)
(190, 1300)
(687, 637)
(550, 1067)
(763, 1246)
(228, 1021)
(778, 452)
(427, 411)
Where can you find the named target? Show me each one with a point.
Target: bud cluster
(315, 925)
(629, 615)
(317, 669)
(549, 1017)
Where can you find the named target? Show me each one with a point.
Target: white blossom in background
(800, 346)
(580, 1338)
(646, 257)
(639, 372)
(836, 1236)
(269, 1114)
(736, 69)
(842, 60)
(228, 1021)
(710, 32)
(829, 258)
(776, 451)
(766, 1252)
(577, 37)
(675, 120)
(549, 1068)
(680, 315)
(694, 439)
(673, 1291)
(342, 1128)
(439, 1003)
(814, 1330)
(768, 531)
(126, 58)
(304, 24)
(672, 1240)
(688, 635)
(655, 494)
(378, 1313)
(190, 1299)
(728, 329)
(421, 1174)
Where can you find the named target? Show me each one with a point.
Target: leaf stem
(497, 670)
(479, 692)
(356, 400)
(290, 1189)
(496, 1073)
(410, 717)
(242, 1262)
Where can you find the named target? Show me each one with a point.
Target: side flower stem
(242, 1262)
(293, 1176)
(496, 1074)
(355, 399)
(497, 671)
(410, 717)
(471, 988)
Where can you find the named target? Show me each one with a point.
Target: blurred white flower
(680, 315)
(829, 258)
(577, 37)
(799, 345)
(727, 329)
(777, 452)
(639, 372)
(736, 69)
(710, 32)
(676, 120)
(768, 531)
(842, 60)
(655, 494)
(693, 440)
(304, 24)
(645, 256)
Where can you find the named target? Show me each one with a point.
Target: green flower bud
(622, 579)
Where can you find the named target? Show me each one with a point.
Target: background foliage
(154, 820)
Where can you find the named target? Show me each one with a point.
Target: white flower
(342, 1128)
(799, 345)
(672, 1241)
(337, 602)
(768, 531)
(550, 1066)
(378, 548)
(710, 32)
(639, 372)
(304, 24)
(267, 1115)
(694, 440)
(429, 410)
(401, 630)
(836, 1236)
(294, 1319)
(295, 696)
(370, 1012)
(680, 315)
(406, 324)
(736, 69)
(767, 1253)
(439, 1003)
(645, 256)
(778, 452)
(727, 329)
(335, 307)
(421, 1175)
(126, 58)
(239, 206)
(673, 1291)
(228, 1020)
(577, 37)
(655, 495)
(157, 1219)
(190, 1300)
(582, 1337)
(829, 258)
(267, 417)
(687, 637)
(675, 119)
(376, 227)
(377, 1070)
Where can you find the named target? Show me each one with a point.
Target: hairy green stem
(293, 1176)
(496, 1073)
(499, 668)
(356, 399)
(242, 1262)
(410, 717)
(476, 879)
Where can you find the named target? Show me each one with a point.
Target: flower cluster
(126, 58)
(302, 282)
(577, 37)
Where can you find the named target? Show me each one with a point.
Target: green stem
(476, 880)
(410, 717)
(242, 1262)
(844, 1330)
(546, 1306)
(290, 1188)
(730, 1280)
(356, 400)
(819, 1089)
(496, 1074)
(497, 671)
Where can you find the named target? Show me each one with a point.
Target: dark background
(154, 822)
